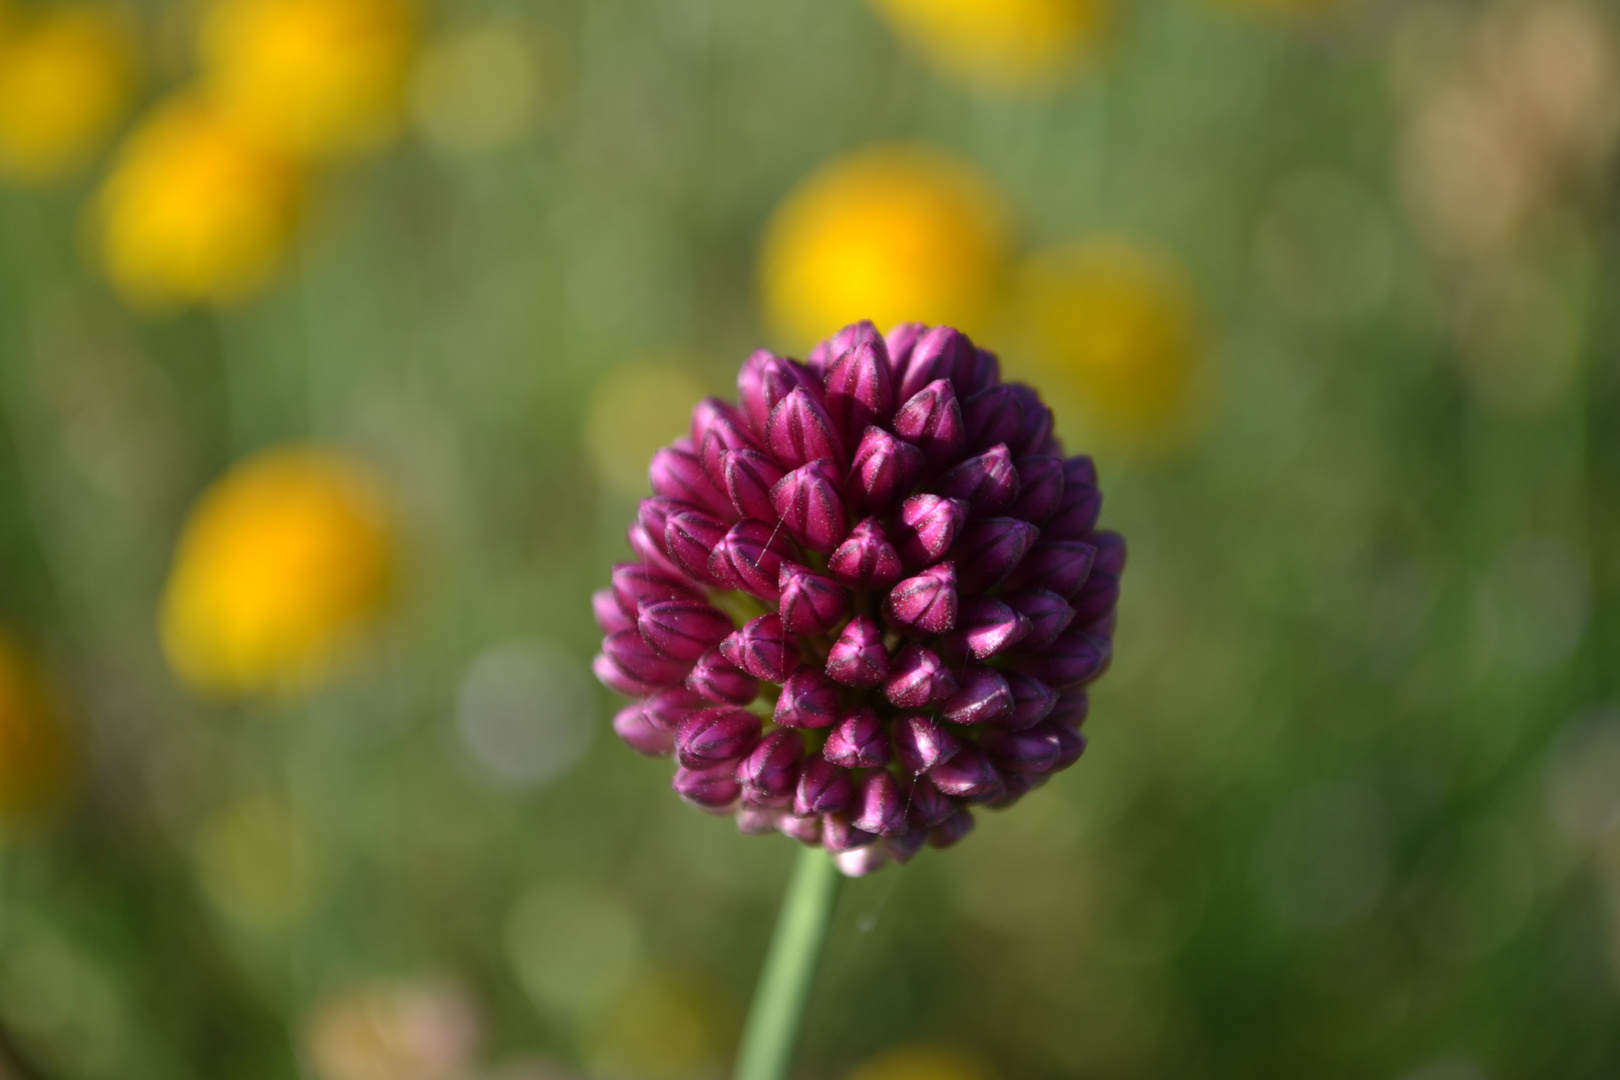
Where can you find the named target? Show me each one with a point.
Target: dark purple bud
(683, 629)
(988, 482)
(1106, 625)
(800, 431)
(926, 604)
(858, 657)
(809, 699)
(904, 847)
(1048, 615)
(763, 381)
(859, 390)
(712, 736)
(609, 615)
(883, 472)
(1077, 511)
(711, 409)
(989, 627)
(936, 356)
(918, 679)
(749, 557)
(1034, 751)
(756, 820)
(901, 341)
(637, 660)
(967, 775)
(984, 697)
(824, 788)
(921, 742)
(929, 805)
(838, 836)
(993, 416)
(714, 788)
(644, 737)
(748, 476)
(1080, 470)
(1096, 599)
(932, 421)
(810, 508)
(1032, 701)
(1037, 429)
(1014, 786)
(879, 807)
(1110, 551)
(651, 552)
(1071, 709)
(929, 524)
(952, 829)
(984, 373)
(716, 679)
(724, 436)
(989, 550)
(805, 828)
(1040, 489)
(811, 603)
(690, 537)
(762, 649)
(1071, 744)
(866, 559)
(1073, 659)
(770, 773)
(678, 474)
(1058, 565)
(667, 708)
(860, 741)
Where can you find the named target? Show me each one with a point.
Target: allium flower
(867, 596)
(65, 76)
(1000, 44)
(890, 233)
(281, 561)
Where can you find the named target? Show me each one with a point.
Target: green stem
(784, 985)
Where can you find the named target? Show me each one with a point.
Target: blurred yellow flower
(924, 1063)
(1000, 44)
(1113, 327)
(194, 210)
(313, 77)
(890, 234)
(36, 754)
(65, 76)
(280, 563)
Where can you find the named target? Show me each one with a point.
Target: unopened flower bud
(1060, 566)
(989, 550)
(983, 698)
(763, 381)
(951, 830)
(937, 355)
(724, 436)
(853, 336)
(754, 819)
(678, 474)
(805, 828)
(866, 559)
(860, 741)
(690, 537)
(1076, 516)
(635, 585)
(762, 649)
(712, 736)
(905, 846)
(1070, 709)
(858, 657)
(966, 774)
(883, 472)
(993, 416)
(1048, 615)
(800, 431)
(749, 557)
(808, 504)
(860, 390)
(651, 553)
(714, 788)
(921, 742)
(669, 706)
(811, 603)
(927, 806)
(1040, 489)
(839, 835)
(1032, 699)
(1071, 744)
(683, 629)
(1074, 658)
(716, 679)
(987, 627)
(824, 788)
(770, 774)
(631, 724)
(925, 605)
(631, 653)
(710, 411)
(1096, 598)
(918, 679)
(929, 525)
(900, 342)
(1034, 751)
(879, 807)
(610, 616)
(1036, 436)
(809, 699)
(931, 420)
(988, 482)
(748, 476)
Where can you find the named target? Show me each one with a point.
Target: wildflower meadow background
(335, 337)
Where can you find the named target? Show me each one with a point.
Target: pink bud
(748, 476)
(1060, 566)
(929, 524)
(859, 390)
(810, 508)
(989, 627)
(800, 431)
(637, 660)
(651, 552)
(1040, 489)
(667, 708)
(901, 341)
(842, 838)
(967, 775)
(824, 788)
(683, 629)
(717, 679)
(762, 649)
(918, 679)
(860, 741)
(937, 356)
(805, 828)
(1032, 700)
(925, 605)
(921, 742)
(711, 409)
(631, 725)
(749, 557)
(883, 472)
(609, 615)
(762, 383)
(878, 806)
(858, 658)
(724, 435)
(712, 736)
(809, 699)
(635, 584)
(810, 604)
(984, 697)
(866, 559)
(988, 482)
(714, 788)
(690, 537)
(932, 421)
(770, 773)
(755, 820)
(678, 474)
(1048, 614)
(987, 551)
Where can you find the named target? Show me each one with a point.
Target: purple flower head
(865, 597)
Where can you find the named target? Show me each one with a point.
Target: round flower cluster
(868, 596)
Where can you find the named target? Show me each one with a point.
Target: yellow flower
(1114, 328)
(194, 210)
(924, 1063)
(65, 76)
(1000, 44)
(890, 234)
(314, 77)
(36, 755)
(281, 562)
